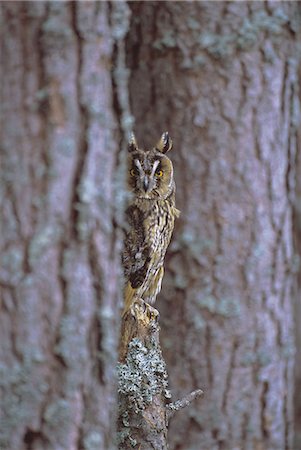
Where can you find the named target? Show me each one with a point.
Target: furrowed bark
(60, 226)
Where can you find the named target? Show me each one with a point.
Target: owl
(150, 217)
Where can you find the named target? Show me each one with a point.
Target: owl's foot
(141, 311)
(145, 311)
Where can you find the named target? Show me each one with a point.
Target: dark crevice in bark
(26, 264)
(95, 344)
(119, 78)
(214, 433)
(42, 102)
(292, 138)
(83, 124)
(208, 354)
(244, 88)
(116, 104)
(33, 438)
(96, 332)
(244, 433)
(9, 195)
(153, 55)
(14, 322)
(284, 89)
(133, 47)
(63, 305)
(222, 14)
(80, 435)
(61, 271)
(277, 244)
(283, 296)
(286, 411)
(255, 366)
(124, 119)
(145, 130)
(255, 131)
(23, 24)
(219, 249)
(264, 393)
(229, 375)
(26, 34)
(270, 195)
(277, 328)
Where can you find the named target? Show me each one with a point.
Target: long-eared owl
(150, 216)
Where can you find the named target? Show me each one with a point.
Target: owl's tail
(129, 294)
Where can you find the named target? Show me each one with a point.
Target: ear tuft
(132, 144)
(165, 143)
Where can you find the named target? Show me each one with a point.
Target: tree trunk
(297, 222)
(61, 177)
(221, 77)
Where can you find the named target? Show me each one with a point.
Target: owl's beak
(146, 183)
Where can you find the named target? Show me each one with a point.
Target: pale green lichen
(180, 281)
(53, 27)
(57, 413)
(66, 146)
(264, 357)
(288, 350)
(191, 241)
(193, 24)
(21, 393)
(120, 19)
(143, 375)
(42, 240)
(226, 307)
(93, 441)
(108, 352)
(199, 323)
(223, 46)
(248, 359)
(168, 40)
(87, 191)
(12, 264)
(71, 343)
(41, 94)
(123, 436)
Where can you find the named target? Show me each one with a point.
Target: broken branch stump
(144, 399)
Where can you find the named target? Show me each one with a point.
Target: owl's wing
(137, 254)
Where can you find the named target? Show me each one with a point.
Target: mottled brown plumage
(150, 216)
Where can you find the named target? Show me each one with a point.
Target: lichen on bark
(144, 398)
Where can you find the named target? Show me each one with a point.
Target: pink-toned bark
(221, 77)
(60, 240)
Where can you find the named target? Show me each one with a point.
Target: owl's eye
(132, 172)
(159, 173)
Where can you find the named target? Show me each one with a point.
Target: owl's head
(150, 172)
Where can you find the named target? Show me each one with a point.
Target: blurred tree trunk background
(222, 78)
(297, 221)
(61, 204)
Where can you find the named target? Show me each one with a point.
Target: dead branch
(144, 398)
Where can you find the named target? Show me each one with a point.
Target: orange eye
(133, 172)
(159, 173)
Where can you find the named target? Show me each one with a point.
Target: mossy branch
(144, 398)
